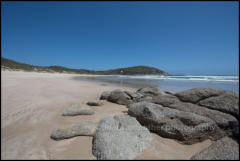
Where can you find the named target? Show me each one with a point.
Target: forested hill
(137, 70)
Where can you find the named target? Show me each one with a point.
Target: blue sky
(198, 38)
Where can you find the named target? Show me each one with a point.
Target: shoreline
(32, 104)
(164, 84)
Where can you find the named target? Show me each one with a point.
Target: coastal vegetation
(136, 70)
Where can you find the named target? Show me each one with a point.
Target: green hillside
(137, 70)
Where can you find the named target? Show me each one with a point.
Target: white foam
(187, 78)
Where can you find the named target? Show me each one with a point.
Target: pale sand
(31, 108)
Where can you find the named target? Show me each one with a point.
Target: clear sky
(198, 38)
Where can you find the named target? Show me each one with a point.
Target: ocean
(173, 83)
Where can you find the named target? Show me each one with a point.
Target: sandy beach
(31, 108)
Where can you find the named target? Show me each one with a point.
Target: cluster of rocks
(115, 137)
(214, 107)
(189, 117)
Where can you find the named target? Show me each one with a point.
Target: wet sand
(31, 108)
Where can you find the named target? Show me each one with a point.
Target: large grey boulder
(219, 105)
(224, 149)
(77, 109)
(105, 95)
(120, 137)
(185, 127)
(226, 122)
(120, 97)
(95, 103)
(197, 94)
(79, 129)
(228, 102)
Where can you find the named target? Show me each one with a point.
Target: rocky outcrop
(127, 97)
(77, 109)
(95, 103)
(185, 127)
(120, 137)
(208, 103)
(119, 97)
(215, 105)
(224, 149)
(216, 99)
(80, 129)
(228, 102)
(197, 94)
(225, 121)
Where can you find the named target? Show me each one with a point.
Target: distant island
(136, 70)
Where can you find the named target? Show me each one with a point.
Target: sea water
(177, 83)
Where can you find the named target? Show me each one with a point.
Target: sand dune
(32, 104)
